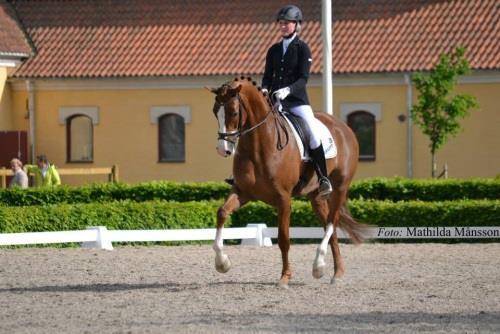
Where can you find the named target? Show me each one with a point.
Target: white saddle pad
(326, 139)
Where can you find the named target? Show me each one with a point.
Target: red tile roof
(127, 38)
(12, 40)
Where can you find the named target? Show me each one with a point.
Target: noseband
(234, 135)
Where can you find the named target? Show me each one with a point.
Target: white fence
(253, 234)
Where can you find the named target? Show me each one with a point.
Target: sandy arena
(399, 288)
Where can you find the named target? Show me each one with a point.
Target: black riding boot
(318, 157)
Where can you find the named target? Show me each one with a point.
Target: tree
(438, 111)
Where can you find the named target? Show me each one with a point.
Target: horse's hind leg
(337, 200)
(329, 214)
(233, 202)
(320, 207)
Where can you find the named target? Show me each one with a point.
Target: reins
(279, 121)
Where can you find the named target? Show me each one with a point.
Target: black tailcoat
(288, 70)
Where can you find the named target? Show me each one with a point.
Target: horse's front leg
(233, 202)
(284, 211)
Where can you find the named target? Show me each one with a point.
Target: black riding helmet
(290, 13)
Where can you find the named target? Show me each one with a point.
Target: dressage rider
(285, 76)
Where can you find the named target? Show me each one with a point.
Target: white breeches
(306, 113)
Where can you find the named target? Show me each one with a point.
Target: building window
(363, 125)
(80, 139)
(171, 138)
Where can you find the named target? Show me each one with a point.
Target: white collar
(287, 41)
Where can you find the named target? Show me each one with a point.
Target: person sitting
(46, 174)
(20, 179)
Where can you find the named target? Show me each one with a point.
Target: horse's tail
(357, 232)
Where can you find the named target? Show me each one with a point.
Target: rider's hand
(265, 91)
(282, 93)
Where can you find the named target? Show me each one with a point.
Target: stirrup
(325, 187)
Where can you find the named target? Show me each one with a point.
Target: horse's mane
(249, 85)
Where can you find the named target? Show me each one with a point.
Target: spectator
(20, 178)
(46, 174)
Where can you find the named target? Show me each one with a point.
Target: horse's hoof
(222, 264)
(283, 283)
(318, 271)
(283, 286)
(335, 280)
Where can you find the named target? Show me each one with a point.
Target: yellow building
(126, 86)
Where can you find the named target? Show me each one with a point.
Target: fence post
(102, 241)
(4, 178)
(259, 240)
(114, 174)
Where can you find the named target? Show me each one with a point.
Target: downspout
(31, 115)
(409, 133)
(326, 15)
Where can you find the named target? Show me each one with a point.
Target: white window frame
(91, 112)
(373, 108)
(158, 111)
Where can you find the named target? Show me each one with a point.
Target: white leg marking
(319, 262)
(222, 262)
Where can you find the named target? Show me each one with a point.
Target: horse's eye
(234, 114)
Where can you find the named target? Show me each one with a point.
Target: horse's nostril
(228, 152)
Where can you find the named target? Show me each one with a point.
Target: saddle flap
(300, 132)
(300, 126)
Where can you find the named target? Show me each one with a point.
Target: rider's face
(286, 27)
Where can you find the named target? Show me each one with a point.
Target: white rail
(253, 234)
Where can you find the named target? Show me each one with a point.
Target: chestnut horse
(267, 166)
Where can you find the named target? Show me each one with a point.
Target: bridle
(234, 135)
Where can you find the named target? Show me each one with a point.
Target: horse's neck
(262, 139)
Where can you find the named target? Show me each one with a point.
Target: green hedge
(107, 192)
(394, 189)
(202, 214)
(400, 189)
(124, 215)
(387, 213)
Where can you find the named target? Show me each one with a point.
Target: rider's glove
(265, 91)
(282, 93)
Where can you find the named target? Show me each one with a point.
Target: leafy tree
(438, 111)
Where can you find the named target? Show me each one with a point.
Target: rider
(285, 76)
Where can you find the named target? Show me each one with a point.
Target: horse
(267, 166)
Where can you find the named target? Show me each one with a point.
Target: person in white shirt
(20, 179)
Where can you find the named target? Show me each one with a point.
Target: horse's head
(227, 110)
(240, 107)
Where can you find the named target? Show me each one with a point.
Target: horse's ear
(213, 90)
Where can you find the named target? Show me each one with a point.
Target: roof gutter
(409, 133)
(11, 59)
(7, 54)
